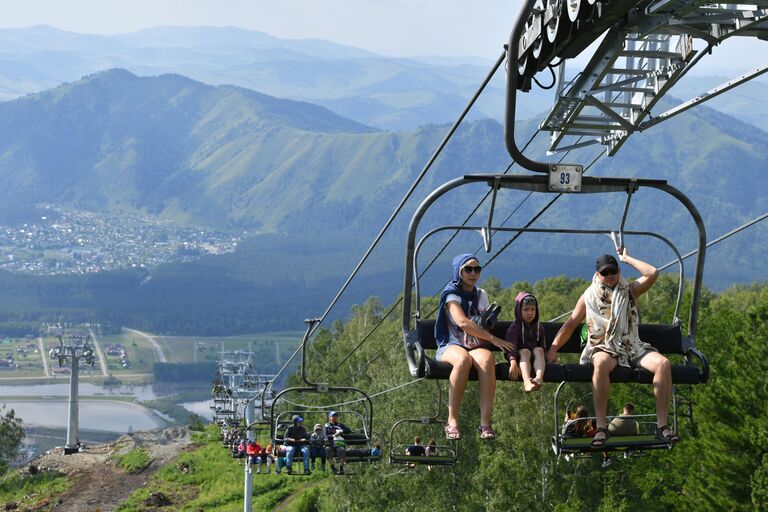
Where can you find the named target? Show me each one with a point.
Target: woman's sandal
(669, 438)
(452, 432)
(600, 443)
(486, 432)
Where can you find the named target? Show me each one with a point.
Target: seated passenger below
(336, 449)
(253, 450)
(624, 425)
(268, 456)
(296, 438)
(578, 424)
(416, 449)
(279, 453)
(317, 443)
(526, 334)
(376, 451)
(240, 452)
(431, 449)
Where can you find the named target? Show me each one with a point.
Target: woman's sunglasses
(609, 272)
(469, 270)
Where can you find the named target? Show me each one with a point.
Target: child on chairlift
(526, 334)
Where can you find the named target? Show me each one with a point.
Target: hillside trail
(101, 486)
(288, 501)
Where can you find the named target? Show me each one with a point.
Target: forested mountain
(313, 188)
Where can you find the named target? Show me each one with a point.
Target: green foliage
(195, 423)
(31, 490)
(719, 465)
(11, 436)
(134, 461)
(214, 482)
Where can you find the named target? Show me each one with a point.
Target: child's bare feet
(530, 385)
(536, 383)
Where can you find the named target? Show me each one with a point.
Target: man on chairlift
(609, 306)
(335, 432)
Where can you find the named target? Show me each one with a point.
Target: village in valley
(64, 241)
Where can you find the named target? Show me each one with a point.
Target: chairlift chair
(358, 443)
(434, 427)
(446, 454)
(668, 339)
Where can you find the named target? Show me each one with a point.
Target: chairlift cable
(719, 239)
(415, 183)
(397, 303)
(434, 259)
(338, 405)
(689, 254)
(399, 208)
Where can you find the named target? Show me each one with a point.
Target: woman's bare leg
(459, 358)
(485, 364)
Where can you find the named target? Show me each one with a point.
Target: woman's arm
(470, 327)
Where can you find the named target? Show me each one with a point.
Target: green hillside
(313, 189)
(721, 462)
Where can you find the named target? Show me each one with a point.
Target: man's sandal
(600, 443)
(452, 432)
(671, 437)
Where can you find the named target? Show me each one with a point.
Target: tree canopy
(721, 463)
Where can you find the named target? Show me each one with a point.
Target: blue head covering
(454, 288)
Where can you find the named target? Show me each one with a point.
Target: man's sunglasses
(609, 272)
(469, 270)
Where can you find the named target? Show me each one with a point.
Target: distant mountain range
(388, 93)
(316, 187)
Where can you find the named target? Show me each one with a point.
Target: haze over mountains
(389, 93)
(312, 188)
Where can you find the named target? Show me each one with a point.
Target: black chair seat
(667, 339)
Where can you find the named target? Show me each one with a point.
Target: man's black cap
(606, 261)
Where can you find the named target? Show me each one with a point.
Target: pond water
(145, 392)
(101, 415)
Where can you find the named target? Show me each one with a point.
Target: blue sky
(457, 28)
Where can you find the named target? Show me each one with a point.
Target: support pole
(73, 445)
(249, 419)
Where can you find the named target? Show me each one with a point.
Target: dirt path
(100, 484)
(159, 356)
(99, 353)
(283, 505)
(44, 357)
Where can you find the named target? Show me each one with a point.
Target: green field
(270, 351)
(270, 348)
(138, 351)
(25, 354)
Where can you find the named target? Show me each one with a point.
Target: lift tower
(75, 348)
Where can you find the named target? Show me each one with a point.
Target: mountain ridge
(192, 153)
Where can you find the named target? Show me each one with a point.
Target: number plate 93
(565, 178)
